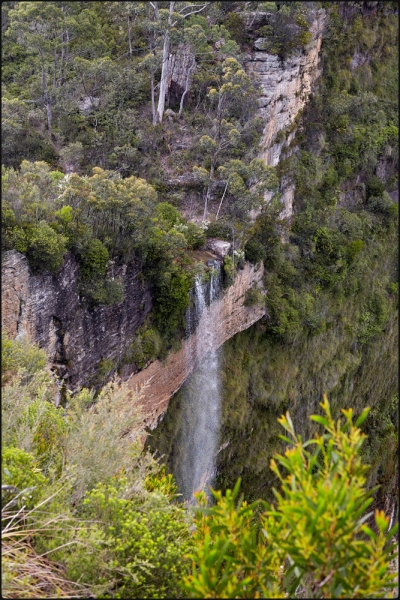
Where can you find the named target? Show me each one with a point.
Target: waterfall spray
(199, 434)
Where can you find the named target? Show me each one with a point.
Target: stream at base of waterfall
(198, 438)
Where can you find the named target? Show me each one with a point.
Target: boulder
(219, 247)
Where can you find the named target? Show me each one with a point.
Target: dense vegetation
(103, 161)
(333, 284)
(85, 513)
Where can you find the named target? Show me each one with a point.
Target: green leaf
(319, 419)
(362, 417)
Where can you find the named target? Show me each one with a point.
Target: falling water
(198, 437)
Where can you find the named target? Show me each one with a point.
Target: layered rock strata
(76, 338)
(161, 380)
(284, 88)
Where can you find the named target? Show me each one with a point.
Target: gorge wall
(47, 308)
(77, 339)
(284, 86)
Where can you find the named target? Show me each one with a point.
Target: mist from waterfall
(199, 434)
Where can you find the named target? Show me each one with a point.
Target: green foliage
(375, 187)
(287, 29)
(163, 482)
(20, 355)
(168, 215)
(229, 269)
(145, 347)
(106, 512)
(20, 470)
(195, 236)
(94, 259)
(103, 291)
(315, 536)
(93, 283)
(219, 230)
(171, 299)
(236, 27)
(145, 549)
(253, 296)
(46, 249)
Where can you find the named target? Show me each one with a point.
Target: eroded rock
(219, 247)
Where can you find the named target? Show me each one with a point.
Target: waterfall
(198, 437)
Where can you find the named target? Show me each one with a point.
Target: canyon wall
(77, 339)
(284, 87)
(161, 380)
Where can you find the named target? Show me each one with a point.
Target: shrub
(20, 470)
(380, 204)
(171, 298)
(168, 214)
(94, 260)
(229, 269)
(219, 230)
(21, 355)
(145, 347)
(142, 542)
(254, 251)
(313, 540)
(253, 296)
(103, 291)
(375, 187)
(46, 248)
(236, 27)
(195, 236)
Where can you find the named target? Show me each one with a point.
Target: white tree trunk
(189, 74)
(153, 104)
(164, 78)
(164, 69)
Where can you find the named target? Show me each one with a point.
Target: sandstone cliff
(47, 308)
(284, 88)
(163, 379)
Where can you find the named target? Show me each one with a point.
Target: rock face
(181, 66)
(47, 308)
(285, 87)
(161, 380)
(219, 247)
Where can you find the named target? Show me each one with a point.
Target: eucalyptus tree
(167, 19)
(52, 33)
(227, 98)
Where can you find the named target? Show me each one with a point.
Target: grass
(25, 573)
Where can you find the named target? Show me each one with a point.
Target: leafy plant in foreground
(315, 539)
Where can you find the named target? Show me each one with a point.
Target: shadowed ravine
(198, 437)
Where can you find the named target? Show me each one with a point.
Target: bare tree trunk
(130, 37)
(49, 112)
(222, 199)
(55, 70)
(47, 99)
(189, 73)
(153, 104)
(164, 69)
(163, 82)
(208, 194)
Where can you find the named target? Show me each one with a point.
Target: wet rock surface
(161, 380)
